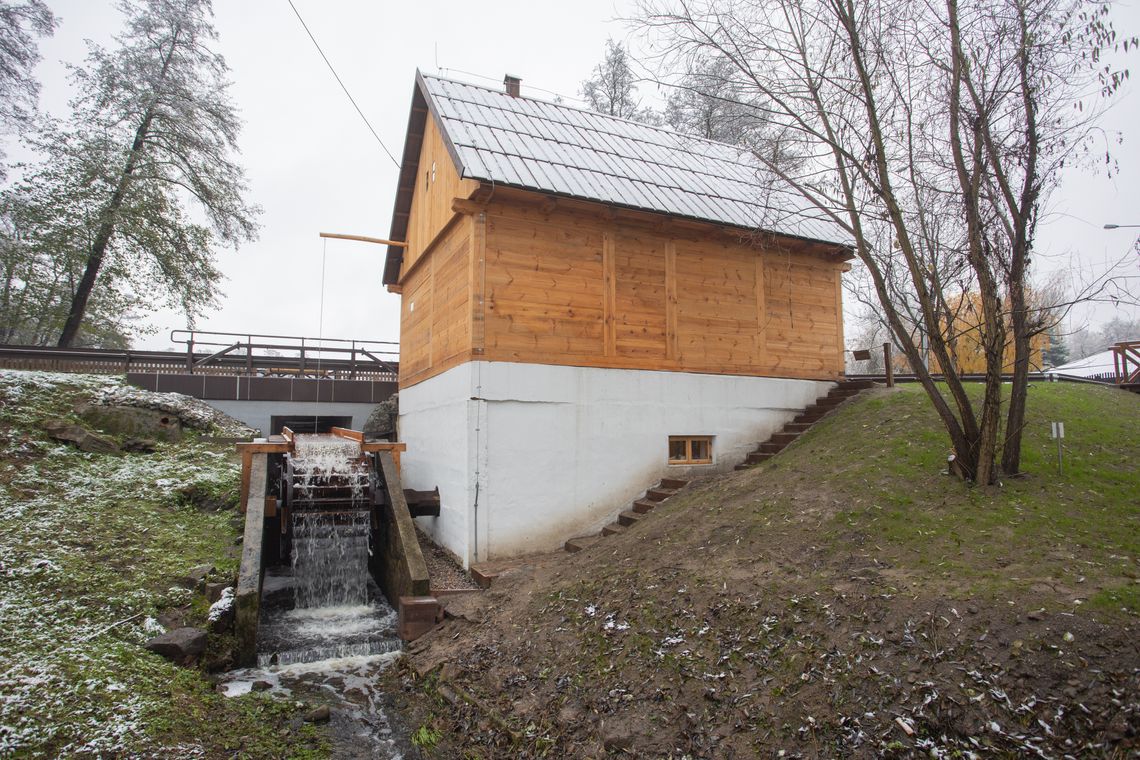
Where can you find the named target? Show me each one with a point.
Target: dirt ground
(751, 617)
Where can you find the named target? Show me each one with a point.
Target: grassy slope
(809, 602)
(87, 541)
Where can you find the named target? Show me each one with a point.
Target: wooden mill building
(590, 304)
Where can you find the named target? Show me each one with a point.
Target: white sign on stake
(1058, 432)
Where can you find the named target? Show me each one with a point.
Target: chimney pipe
(513, 85)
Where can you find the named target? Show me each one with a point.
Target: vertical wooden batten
(478, 282)
(609, 293)
(671, 339)
(761, 314)
(841, 358)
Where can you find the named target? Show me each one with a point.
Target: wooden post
(246, 466)
(609, 295)
(887, 366)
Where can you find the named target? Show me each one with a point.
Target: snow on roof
(1090, 366)
(552, 148)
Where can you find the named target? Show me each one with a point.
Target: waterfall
(325, 605)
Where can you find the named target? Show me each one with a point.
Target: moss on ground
(91, 547)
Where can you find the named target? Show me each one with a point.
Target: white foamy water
(330, 558)
(327, 460)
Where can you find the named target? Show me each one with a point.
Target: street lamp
(1118, 226)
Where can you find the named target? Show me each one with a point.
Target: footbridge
(266, 381)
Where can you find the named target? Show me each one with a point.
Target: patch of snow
(222, 607)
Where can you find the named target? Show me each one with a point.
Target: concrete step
(613, 529)
(744, 466)
(672, 484)
(857, 384)
(756, 457)
(659, 494)
(769, 447)
(643, 506)
(629, 518)
(784, 438)
(796, 427)
(580, 543)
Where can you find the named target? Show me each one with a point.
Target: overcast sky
(313, 165)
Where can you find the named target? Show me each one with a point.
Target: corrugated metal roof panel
(554, 148)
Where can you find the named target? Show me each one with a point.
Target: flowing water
(325, 627)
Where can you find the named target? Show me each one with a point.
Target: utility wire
(341, 83)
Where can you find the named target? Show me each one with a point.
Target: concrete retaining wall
(528, 455)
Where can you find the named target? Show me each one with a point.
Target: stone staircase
(627, 519)
(802, 422)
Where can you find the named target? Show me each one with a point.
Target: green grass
(90, 548)
(886, 456)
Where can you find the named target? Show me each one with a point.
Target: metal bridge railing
(289, 355)
(219, 353)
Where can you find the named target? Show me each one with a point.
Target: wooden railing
(1126, 361)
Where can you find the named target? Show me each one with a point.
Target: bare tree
(611, 88)
(905, 136)
(151, 128)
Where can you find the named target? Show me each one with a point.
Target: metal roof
(552, 148)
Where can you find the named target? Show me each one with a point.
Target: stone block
(418, 615)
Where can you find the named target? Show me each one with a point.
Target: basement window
(690, 449)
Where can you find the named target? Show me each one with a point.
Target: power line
(341, 83)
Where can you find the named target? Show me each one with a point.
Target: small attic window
(690, 449)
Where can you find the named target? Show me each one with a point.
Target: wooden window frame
(688, 441)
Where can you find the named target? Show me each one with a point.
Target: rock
(221, 615)
(616, 736)
(182, 645)
(382, 422)
(357, 696)
(318, 715)
(80, 437)
(1036, 615)
(261, 686)
(171, 619)
(140, 445)
(214, 591)
(195, 577)
(223, 621)
(133, 421)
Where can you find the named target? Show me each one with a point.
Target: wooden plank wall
(567, 288)
(561, 283)
(435, 308)
(437, 184)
